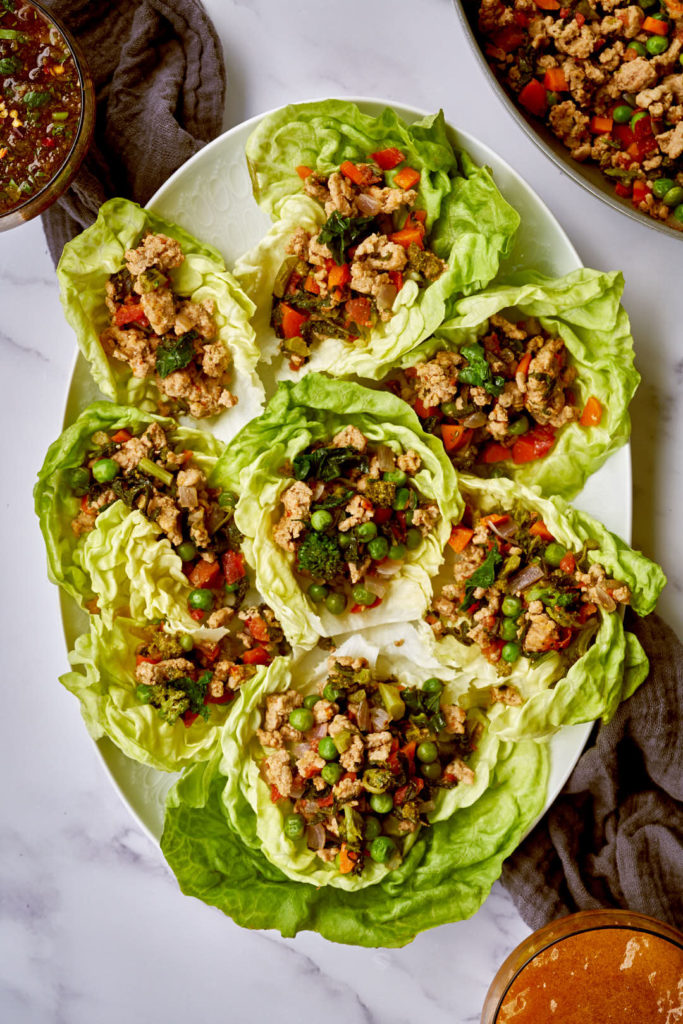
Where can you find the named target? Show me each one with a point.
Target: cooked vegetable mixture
(169, 489)
(607, 79)
(342, 281)
(351, 517)
(182, 678)
(362, 762)
(40, 104)
(162, 335)
(517, 592)
(502, 398)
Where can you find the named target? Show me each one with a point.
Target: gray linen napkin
(614, 836)
(159, 78)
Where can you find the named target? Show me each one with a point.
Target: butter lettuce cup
(529, 609)
(162, 695)
(377, 223)
(529, 380)
(160, 321)
(353, 796)
(345, 507)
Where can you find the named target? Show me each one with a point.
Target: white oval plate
(210, 196)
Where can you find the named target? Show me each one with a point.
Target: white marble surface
(92, 926)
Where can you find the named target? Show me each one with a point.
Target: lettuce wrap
(468, 224)
(84, 269)
(315, 410)
(223, 837)
(583, 309)
(603, 663)
(122, 561)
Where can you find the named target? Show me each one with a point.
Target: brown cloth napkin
(159, 79)
(614, 836)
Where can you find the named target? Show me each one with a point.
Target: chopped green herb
(175, 355)
(484, 576)
(34, 99)
(8, 65)
(338, 233)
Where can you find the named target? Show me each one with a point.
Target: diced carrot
(389, 158)
(599, 125)
(303, 171)
(533, 445)
(592, 413)
(256, 656)
(555, 80)
(523, 364)
(495, 452)
(534, 96)
(121, 435)
(141, 659)
(292, 320)
(406, 236)
(275, 794)
(568, 563)
(640, 190)
(460, 538)
(423, 411)
(339, 276)
(548, 5)
(311, 285)
(539, 529)
(407, 177)
(359, 176)
(495, 518)
(454, 436)
(656, 26)
(419, 215)
(347, 859)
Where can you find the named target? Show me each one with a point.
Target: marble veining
(93, 927)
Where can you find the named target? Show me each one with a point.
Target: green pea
(232, 588)
(301, 719)
(552, 97)
(366, 531)
(80, 480)
(661, 186)
(427, 751)
(678, 213)
(345, 540)
(397, 552)
(226, 499)
(186, 642)
(637, 48)
(622, 114)
(372, 829)
(327, 749)
(413, 539)
(510, 652)
(512, 606)
(656, 45)
(293, 826)
(363, 596)
(646, 4)
(105, 470)
(432, 685)
(401, 500)
(508, 629)
(331, 693)
(321, 519)
(518, 426)
(395, 476)
(310, 700)
(382, 848)
(672, 198)
(332, 773)
(201, 599)
(638, 116)
(187, 551)
(317, 592)
(450, 409)
(335, 603)
(431, 770)
(382, 803)
(535, 594)
(554, 553)
(378, 548)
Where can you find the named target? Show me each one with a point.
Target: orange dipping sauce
(609, 975)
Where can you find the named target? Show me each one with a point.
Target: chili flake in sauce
(40, 104)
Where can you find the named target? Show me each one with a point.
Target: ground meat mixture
(160, 334)
(607, 79)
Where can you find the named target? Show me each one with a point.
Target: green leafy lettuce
(84, 269)
(315, 409)
(223, 837)
(122, 562)
(583, 308)
(469, 224)
(612, 665)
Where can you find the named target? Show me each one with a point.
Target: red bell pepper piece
(455, 436)
(568, 563)
(256, 656)
(539, 529)
(533, 445)
(189, 717)
(423, 411)
(534, 96)
(130, 313)
(258, 628)
(233, 566)
(359, 311)
(292, 320)
(382, 515)
(389, 158)
(121, 436)
(205, 574)
(495, 452)
(592, 413)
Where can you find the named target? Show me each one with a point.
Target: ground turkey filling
(502, 398)
(342, 281)
(350, 518)
(607, 78)
(167, 486)
(517, 592)
(357, 766)
(182, 677)
(164, 336)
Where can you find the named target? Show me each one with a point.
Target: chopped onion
(426, 806)
(318, 490)
(477, 419)
(525, 577)
(298, 786)
(389, 567)
(605, 600)
(386, 460)
(299, 749)
(505, 530)
(378, 589)
(363, 716)
(379, 718)
(368, 205)
(315, 837)
(386, 293)
(317, 731)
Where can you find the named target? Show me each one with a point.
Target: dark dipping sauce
(40, 105)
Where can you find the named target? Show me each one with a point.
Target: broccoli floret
(380, 492)
(172, 703)
(320, 556)
(425, 263)
(176, 696)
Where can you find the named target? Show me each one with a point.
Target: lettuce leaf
(83, 271)
(469, 223)
(583, 308)
(315, 409)
(613, 664)
(71, 560)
